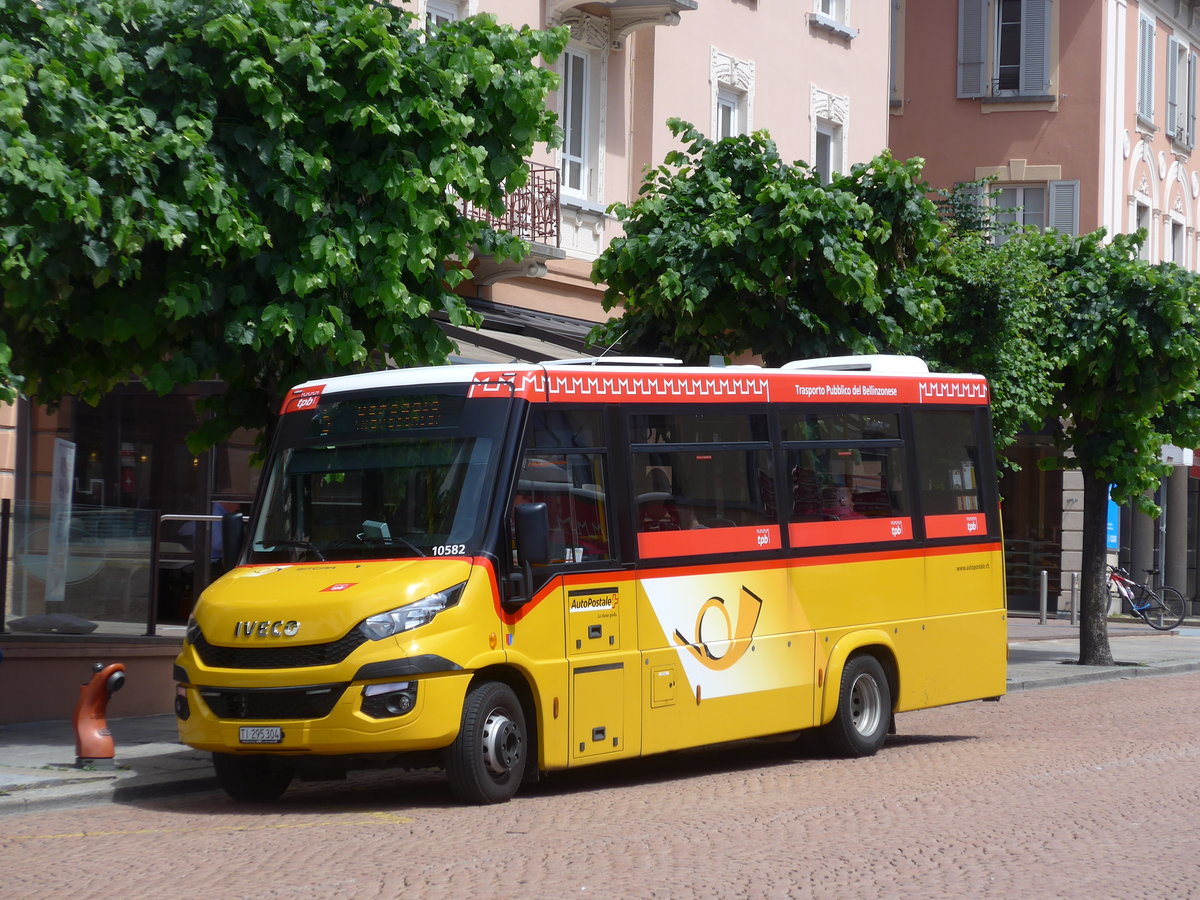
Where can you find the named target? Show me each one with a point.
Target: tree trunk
(1093, 625)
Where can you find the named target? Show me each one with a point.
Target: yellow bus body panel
(618, 664)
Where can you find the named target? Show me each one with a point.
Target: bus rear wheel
(252, 779)
(864, 710)
(487, 760)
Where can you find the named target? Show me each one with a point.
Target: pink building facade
(1085, 114)
(812, 73)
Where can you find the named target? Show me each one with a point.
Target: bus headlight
(414, 615)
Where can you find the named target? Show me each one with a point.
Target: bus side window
(948, 461)
(572, 485)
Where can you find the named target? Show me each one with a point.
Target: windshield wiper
(294, 545)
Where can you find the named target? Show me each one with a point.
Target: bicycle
(1162, 609)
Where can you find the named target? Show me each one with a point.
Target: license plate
(260, 734)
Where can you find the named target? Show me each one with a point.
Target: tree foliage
(997, 299)
(1124, 337)
(259, 191)
(730, 249)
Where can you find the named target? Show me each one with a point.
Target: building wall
(788, 69)
(1021, 141)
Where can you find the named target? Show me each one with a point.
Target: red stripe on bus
(849, 531)
(709, 540)
(956, 525)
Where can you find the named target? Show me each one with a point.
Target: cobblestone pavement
(1082, 791)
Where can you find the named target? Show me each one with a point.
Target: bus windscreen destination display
(366, 416)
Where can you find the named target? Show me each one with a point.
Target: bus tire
(252, 779)
(860, 724)
(487, 760)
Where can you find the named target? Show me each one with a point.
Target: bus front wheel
(487, 760)
(864, 709)
(252, 779)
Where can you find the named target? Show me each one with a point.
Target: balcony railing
(531, 212)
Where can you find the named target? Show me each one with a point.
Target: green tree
(1124, 337)
(997, 298)
(729, 249)
(259, 191)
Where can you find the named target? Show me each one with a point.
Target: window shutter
(1145, 74)
(1063, 208)
(1172, 123)
(1189, 91)
(972, 48)
(1035, 41)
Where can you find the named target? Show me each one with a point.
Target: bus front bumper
(227, 720)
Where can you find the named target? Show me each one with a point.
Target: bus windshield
(379, 478)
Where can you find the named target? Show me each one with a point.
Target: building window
(1145, 69)
(1181, 93)
(581, 106)
(827, 149)
(1052, 206)
(830, 116)
(438, 13)
(1019, 207)
(574, 118)
(1141, 222)
(729, 113)
(1003, 48)
(1177, 253)
(832, 16)
(732, 82)
(832, 9)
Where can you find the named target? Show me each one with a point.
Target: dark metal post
(152, 612)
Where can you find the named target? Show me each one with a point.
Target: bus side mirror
(233, 530)
(533, 534)
(533, 549)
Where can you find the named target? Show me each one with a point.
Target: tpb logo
(972, 524)
(763, 536)
(897, 527)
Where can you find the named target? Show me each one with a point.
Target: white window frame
(440, 12)
(1177, 240)
(1145, 69)
(832, 9)
(574, 113)
(1143, 218)
(827, 149)
(731, 84)
(1181, 93)
(833, 16)
(730, 113)
(830, 116)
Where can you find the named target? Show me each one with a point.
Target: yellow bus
(508, 571)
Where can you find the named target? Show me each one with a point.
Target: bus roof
(846, 379)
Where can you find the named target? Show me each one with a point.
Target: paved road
(1081, 791)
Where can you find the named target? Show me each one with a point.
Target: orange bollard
(93, 741)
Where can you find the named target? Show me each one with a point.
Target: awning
(513, 334)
